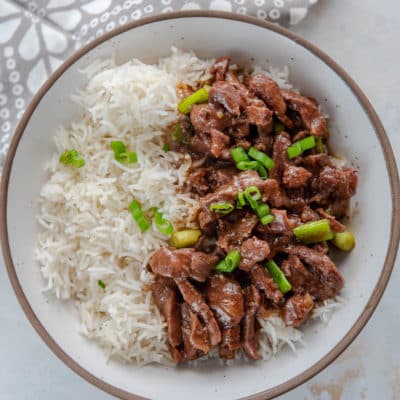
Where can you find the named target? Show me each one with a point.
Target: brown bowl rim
(379, 130)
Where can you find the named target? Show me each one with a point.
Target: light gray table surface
(363, 36)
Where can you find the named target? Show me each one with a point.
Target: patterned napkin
(36, 36)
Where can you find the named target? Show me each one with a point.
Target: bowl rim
(379, 131)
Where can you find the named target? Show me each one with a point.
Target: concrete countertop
(363, 37)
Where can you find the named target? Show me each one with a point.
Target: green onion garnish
(314, 232)
(222, 208)
(176, 134)
(262, 210)
(278, 276)
(163, 225)
(301, 146)
(319, 144)
(344, 241)
(199, 96)
(239, 154)
(246, 165)
(262, 171)
(278, 126)
(101, 284)
(252, 195)
(120, 153)
(261, 157)
(241, 201)
(165, 147)
(230, 262)
(136, 210)
(267, 219)
(185, 238)
(72, 157)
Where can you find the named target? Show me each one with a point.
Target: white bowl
(356, 134)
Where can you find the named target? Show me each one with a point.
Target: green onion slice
(165, 147)
(185, 238)
(267, 219)
(344, 241)
(239, 154)
(176, 134)
(230, 262)
(314, 231)
(319, 144)
(262, 171)
(246, 165)
(262, 158)
(222, 208)
(163, 225)
(120, 153)
(72, 157)
(301, 146)
(241, 201)
(101, 284)
(262, 210)
(252, 195)
(278, 276)
(199, 96)
(136, 210)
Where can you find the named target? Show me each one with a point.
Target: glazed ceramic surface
(355, 134)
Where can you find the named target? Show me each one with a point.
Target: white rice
(87, 234)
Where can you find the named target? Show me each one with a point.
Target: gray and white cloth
(37, 36)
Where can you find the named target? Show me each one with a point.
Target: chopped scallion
(319, 144)
(176, 134)
(344, 241)
(72, 157)
(199, 96)
(136, 210)
(261, 157)
(252, 195)
(165, 147)
(241, 201)
(246, 165)
(267, 219)
(239, 154)
(314, 231)
(163, 225)
(230, 262)
(222, 208)
(185, 238)
(297, 148)
(262, 210)
(120, 153)
(101, 284)
(278, 276)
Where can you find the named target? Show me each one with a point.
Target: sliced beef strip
(322, 267)
(232, 234)
(230, 342)
(197, 181)
(253, 251)
(182, 263)
(220, 67)
(213, 142)
(229, 96)
(268, 90)
(200, 307)
(177, 354)
(219, 142)
(308, 215)
(308, 110)
(279, 154)
(263, 281)
(282, 225)
(228, 194)
(205, 117)
(225, 298)
(295, 177)
(336, 226)
(321, 247)
(316, 162)
(297, 309)
(200, 142)
(259, 115)
(194, 333)
(165, 297)
(220, 176)
(340, 183)
(249, 332)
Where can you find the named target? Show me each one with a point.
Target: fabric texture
(37, 36)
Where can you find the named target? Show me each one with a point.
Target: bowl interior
(352, 136)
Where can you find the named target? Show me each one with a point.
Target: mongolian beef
(271, 203)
